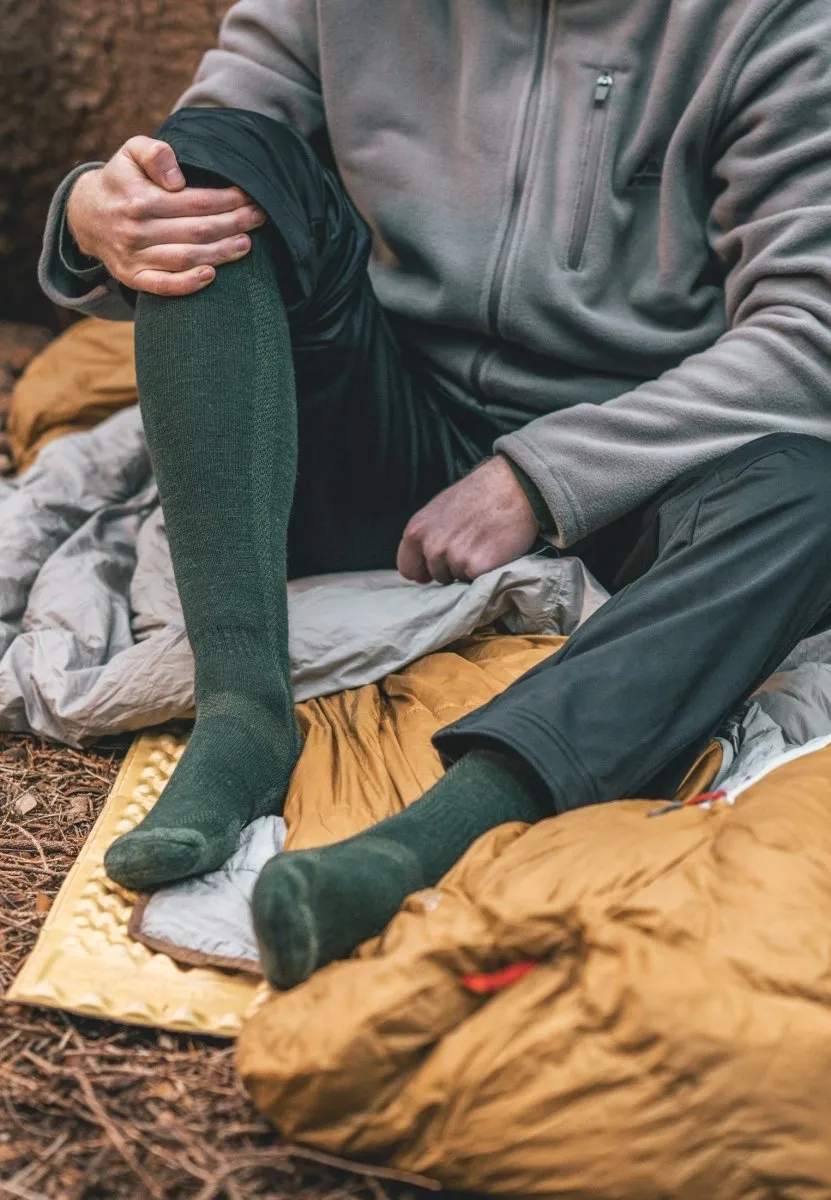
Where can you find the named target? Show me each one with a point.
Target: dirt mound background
(78, 77)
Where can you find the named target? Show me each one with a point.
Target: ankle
(267, 708)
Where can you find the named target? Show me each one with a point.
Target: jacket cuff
(69, 278)
(91, 270)
(566, 522)
(533, 495)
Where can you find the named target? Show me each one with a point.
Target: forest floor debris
(97, 1111)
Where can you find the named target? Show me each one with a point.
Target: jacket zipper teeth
(588, 183)
(523, 157)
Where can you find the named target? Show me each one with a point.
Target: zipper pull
(602, 87)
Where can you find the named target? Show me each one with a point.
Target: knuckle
(155, 282)
(128, 239)
(203, 202)
(415, 529)
(118, 250)
(435, 563)
(135, 207)
(176, 260)
(156, 150)
(136, 144)
(119, 210)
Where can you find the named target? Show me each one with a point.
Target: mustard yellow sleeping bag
(82, 377)
(606, 1005)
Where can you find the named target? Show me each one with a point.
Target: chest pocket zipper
(591, 169)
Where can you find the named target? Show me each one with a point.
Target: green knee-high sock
(217, 398)
(314, 906)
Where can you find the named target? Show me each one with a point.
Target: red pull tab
(677, 805)
(704, 797)
(490, 982)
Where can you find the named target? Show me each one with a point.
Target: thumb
(157, 161)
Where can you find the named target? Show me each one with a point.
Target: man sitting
(570, 273)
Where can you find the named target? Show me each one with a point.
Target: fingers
(191, 202)
(427, 553)
(422, 557)
(167, 283)
(199, 231)
(410, 559)
(445, 566)
(439, 569)
(157, 160)
(184, 257)
(181, 270)
(154, 233)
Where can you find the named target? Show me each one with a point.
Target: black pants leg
(377, 438)
(740, 571)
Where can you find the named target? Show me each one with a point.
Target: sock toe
(147, 859)
(285, 925)
(311, 907)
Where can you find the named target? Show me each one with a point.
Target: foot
(312, 907)
(316, 906)
(236, 767)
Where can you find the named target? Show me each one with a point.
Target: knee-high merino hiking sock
(314, 906)
(216, 389)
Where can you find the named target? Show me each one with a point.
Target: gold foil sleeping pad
(86, 962)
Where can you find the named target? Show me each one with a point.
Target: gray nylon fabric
(92, 640)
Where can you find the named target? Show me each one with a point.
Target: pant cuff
(552, 760)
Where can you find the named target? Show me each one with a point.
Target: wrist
(536, 503)
(76, 206)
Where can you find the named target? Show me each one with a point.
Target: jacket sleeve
(68, 278)
(770, 227)
(266, 61)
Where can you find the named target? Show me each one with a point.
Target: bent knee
(221, 147)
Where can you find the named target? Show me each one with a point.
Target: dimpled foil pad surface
(85, 960)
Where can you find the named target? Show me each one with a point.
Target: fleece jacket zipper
(529, 123)
(591, 169)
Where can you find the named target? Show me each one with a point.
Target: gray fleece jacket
(609, 219)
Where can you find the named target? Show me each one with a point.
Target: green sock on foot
(314, 906)
(217, 398)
